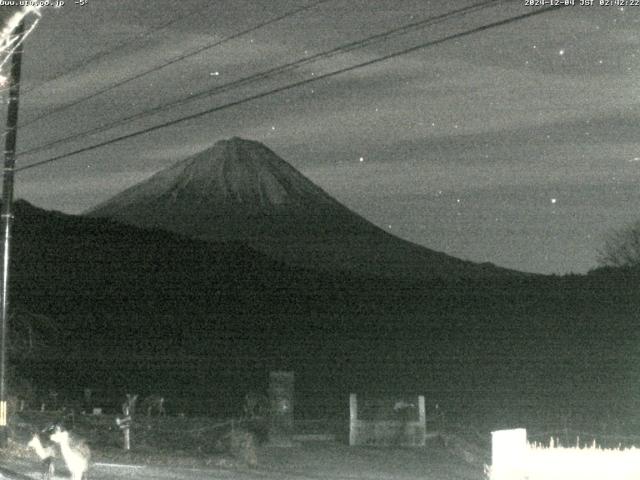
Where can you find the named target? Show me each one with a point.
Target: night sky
(517, 145)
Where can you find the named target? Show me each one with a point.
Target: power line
(104, 53)
(170, 62)
(292, 85)
(268, 73)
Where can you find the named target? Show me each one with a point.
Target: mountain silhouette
(150, 307)
(240, 190)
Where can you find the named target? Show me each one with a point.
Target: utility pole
(7, 217)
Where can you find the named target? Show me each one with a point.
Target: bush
(242, 446)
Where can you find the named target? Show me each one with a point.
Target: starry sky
(516, 145)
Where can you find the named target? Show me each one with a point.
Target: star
(561, 52)
(362, 159)
(553, 200)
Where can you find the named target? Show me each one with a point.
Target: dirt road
(116, 472)
(314, 461)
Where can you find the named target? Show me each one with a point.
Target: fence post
(124, 423)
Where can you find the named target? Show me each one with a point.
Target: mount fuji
(239, 190)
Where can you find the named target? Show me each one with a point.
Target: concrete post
(353, 419)
(509, 454)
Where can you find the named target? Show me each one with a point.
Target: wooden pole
(7, 217)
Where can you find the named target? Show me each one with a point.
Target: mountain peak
(232, 174)
(239, 149)
(239, 171)
(240, 190)
(240, 141)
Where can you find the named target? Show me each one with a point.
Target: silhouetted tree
(621, 248)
